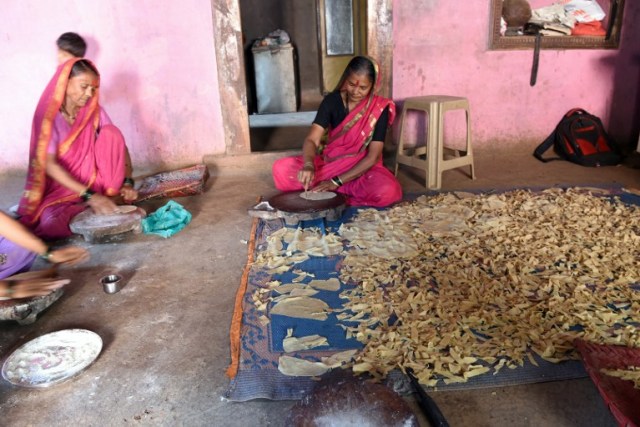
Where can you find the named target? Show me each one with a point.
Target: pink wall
(442, 48)
(160, 82)
(157, 61)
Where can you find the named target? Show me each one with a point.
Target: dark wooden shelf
(499, 42)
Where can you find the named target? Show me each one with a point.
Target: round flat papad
(123, 209)
(317, 195)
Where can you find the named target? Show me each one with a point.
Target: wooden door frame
(227, 32)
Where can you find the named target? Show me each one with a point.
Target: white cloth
(584, 10)
(555, 13)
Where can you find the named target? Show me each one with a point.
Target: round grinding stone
(93, 226)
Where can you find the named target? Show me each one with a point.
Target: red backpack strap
(574, 112)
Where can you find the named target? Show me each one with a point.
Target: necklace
(68, 117)
(346, 103)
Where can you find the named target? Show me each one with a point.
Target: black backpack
(580, 138)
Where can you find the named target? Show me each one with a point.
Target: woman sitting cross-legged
(77, 157)
(351, 161)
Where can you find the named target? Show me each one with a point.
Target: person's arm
(27, 288)
(23, 288)
(313, 139)
(17, 233)
(127, 191)
(309, 150)
(380, 131)
(99, 203)
(373, 154)
(128, 165)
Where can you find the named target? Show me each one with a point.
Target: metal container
(275, 76)
(111, 283)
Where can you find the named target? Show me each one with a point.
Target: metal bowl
(111, 283)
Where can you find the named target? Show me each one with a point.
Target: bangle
(47, 255)
(308, 164)
(337, 181)
(8, 290)
(86, 194)
(129, 181)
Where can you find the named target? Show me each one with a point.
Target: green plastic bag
(167, 220)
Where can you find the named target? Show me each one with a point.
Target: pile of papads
(458, 285)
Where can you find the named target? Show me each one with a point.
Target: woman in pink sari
(351, 161)
(77, 157)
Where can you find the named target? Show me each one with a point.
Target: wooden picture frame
(500, 42)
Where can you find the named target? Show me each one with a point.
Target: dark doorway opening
(298, 18)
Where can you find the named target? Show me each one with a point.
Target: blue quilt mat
(261, 345)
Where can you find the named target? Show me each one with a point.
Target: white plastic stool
(430, 158)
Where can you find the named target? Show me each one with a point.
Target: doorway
(235, 30)
(295, 52)
(282, 70)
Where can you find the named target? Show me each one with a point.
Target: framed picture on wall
(339, 27)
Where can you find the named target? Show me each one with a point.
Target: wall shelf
(500, 42)
(301, 118)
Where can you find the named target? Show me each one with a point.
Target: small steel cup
(111, 283)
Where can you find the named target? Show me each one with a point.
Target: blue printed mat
(261, 344)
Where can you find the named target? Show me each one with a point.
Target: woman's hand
(25, 288)
(306, 175)
(309, 150)
(128, 193)
(326, 186)
(70, 255)
(102, 205)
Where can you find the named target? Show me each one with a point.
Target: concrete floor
(166, 333)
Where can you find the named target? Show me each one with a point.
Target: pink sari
(346, 146)
(92, 154)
